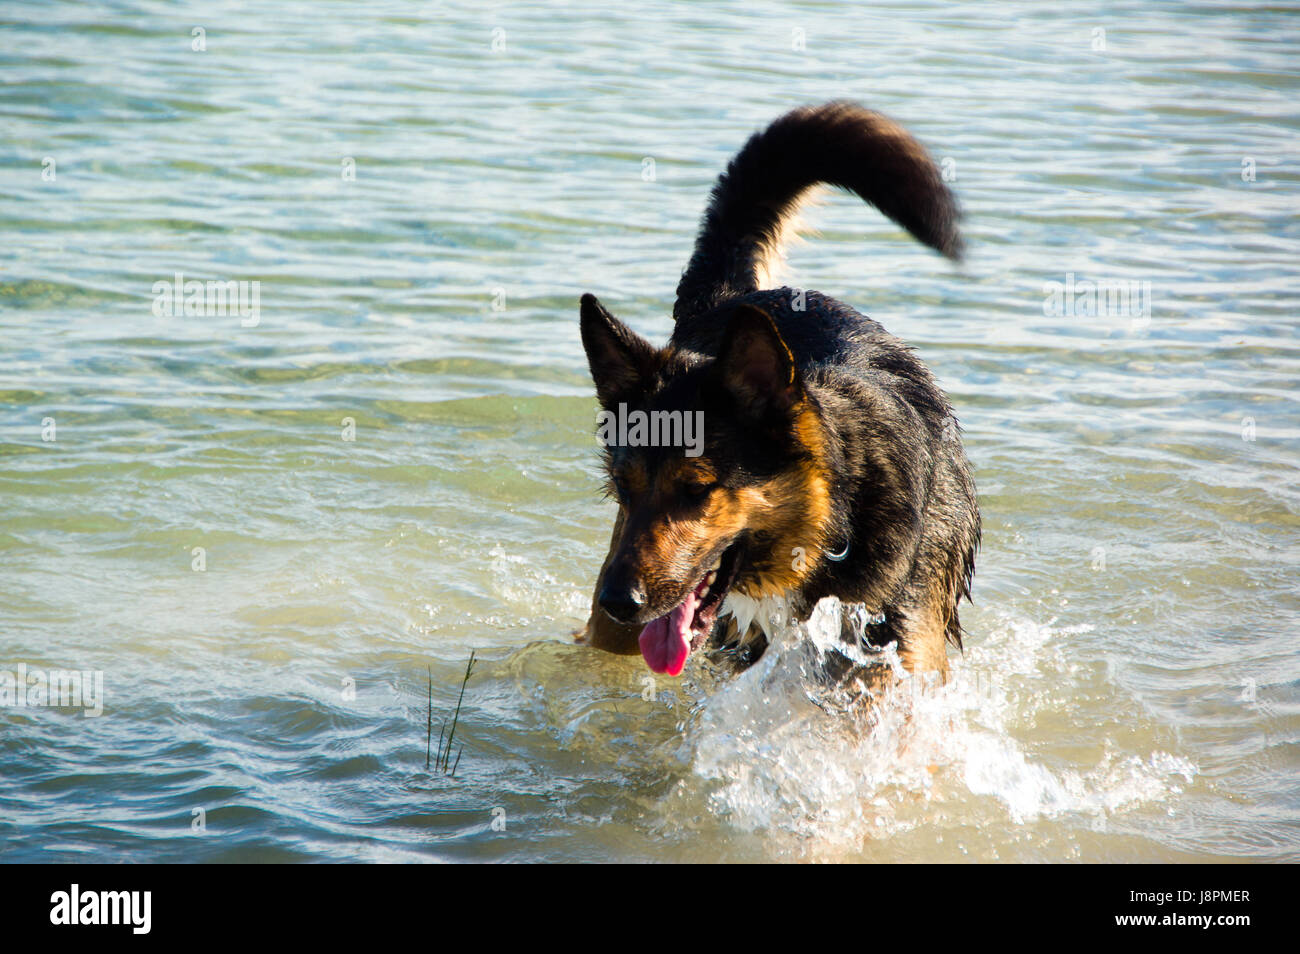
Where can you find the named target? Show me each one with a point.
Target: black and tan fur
(822, 430)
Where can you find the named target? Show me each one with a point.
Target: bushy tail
(840, 144)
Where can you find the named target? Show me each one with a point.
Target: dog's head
(718, 468)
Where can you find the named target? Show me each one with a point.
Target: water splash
(778, 750)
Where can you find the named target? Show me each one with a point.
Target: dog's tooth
(711, 577)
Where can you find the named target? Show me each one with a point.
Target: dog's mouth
(666, 642)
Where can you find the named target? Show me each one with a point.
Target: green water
(1131, 685)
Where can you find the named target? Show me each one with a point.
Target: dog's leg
(927, 618)
(921, 644)
(601, 631)
(728, 647)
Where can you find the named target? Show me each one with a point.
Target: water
(1130, 687)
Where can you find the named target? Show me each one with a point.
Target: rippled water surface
(423, 191)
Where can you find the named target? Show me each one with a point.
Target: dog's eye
(697, 493)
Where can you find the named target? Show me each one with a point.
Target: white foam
(773, 759)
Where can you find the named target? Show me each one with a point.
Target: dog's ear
(621, 360)
(755, 364)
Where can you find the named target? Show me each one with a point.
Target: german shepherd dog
(831, 462)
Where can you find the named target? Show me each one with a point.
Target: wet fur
(821, 428)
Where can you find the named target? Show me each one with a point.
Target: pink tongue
(666, 641)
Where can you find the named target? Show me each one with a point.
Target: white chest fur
(770, 614)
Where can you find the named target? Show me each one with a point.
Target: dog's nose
(620, 600)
